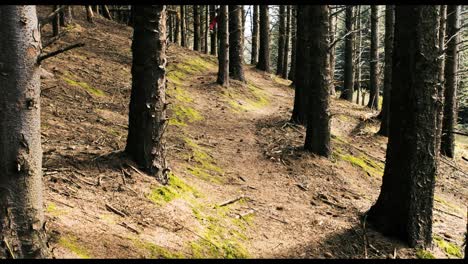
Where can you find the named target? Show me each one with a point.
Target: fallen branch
(129, 227)
(231, 201)
(447, 213)
(54, 53)
(135, 169)
(12, 255)
(50, 17)
(112, 209)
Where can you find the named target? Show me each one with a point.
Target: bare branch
(54, 53)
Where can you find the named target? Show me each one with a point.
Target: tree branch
(51, 16)
(54, 53)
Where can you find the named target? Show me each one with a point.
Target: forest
(233, 131)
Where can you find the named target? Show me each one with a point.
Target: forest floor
(223, 145)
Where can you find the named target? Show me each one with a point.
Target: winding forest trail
(241, 185)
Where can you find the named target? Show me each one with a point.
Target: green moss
(156, 251)
(180, 94)
(183, 114)
(280, 80)
(108, 218)
(450, 205)
(70, 242)
(448, 247)
(424, 254)
(175, 76)
(364, 162)
(53, 210)
(206, 167)
(175, 188)
(248, 100)
(85, 86)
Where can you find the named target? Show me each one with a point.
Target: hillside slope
(240, 186)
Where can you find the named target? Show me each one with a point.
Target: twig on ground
(114, 210)
(129, 227)
(442, 211)
(231, 201)
(54, 53)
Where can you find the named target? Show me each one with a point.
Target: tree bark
(389, 30)
(89, 14)
(347, 92)
(21, 200)
(177, 28)
(55, 22)
(357, 56)
(255, 35)
(447, 147)
(292, 71)
(183, 37)
(105, 12)
(196, 28)
(281, 44)
(301, 84)
(284, 73)
(440, 88)
(404, 207)
(206, 26)
(223, 56)
(332, 24)
(213, 39)
(235, 47)
(147, 116)
(264, 50)
(374, 59)
(318, 126)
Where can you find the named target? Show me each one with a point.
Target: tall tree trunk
(196, 28)
(202, 28)
(404, 207)
(440, 89)
(389, 30)
(183, 31)
(177, 27)
(89, 14)
(264, 50)
(347, 92)
(374, 59)
(243, 15)
(170, 28)
(147, 116)
(318, 126)
(55, 22)
(332, 24)
(223, 56)
(213, 39)
(21, 215)
(255, 35)
(281, 31)
(106, 12)
(61, 16)
(292, 71)
(358, 46)
(451, 66)
(284, 73)
(206, 25)
(235, 48)
(131, 20)
(301, 84)
(67, 15)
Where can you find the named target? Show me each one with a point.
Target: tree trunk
(131, 20)
(202, 28)
(89, 14)
(357, 49)
(223, 56)
(447, 147)
(170, 28)
(284, 73)
(196, 28)
(67, 15)
(147, 116)
(206, 25)
(255, 35)
(332, 23)
(264, 49)
(213, 39)
(404, 207)
(105, 12)
(440, 89)
(318, 126)
(235, 48)
(347, 92)
(183, 37)
(374, 59)
(243, 30)
(55, 22)
(292, 71)
(281, 31)
(299, 114)
(21, 216)
(177, 27)
(389, 28)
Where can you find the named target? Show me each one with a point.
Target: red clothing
(213, 23)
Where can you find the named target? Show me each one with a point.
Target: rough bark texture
(183, 32)
(389, 29)
(213, 39)
(207, 29)
(357, 52)
(333, 24)
(440, 91)
(55, 22)
(223, 56)
(196, 28)
(404, 207)
(21, 202)
(318, 125)
(292, 71)
(447, 147)
(89, 14)
(284, 74)
(177, 28)
(281, 39)
(347, 92)
(299, 114)
(264, 49)
(147, 116)
(236, 71)
(374, 59)
(255, 35)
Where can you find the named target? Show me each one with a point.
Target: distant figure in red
(214, 21)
